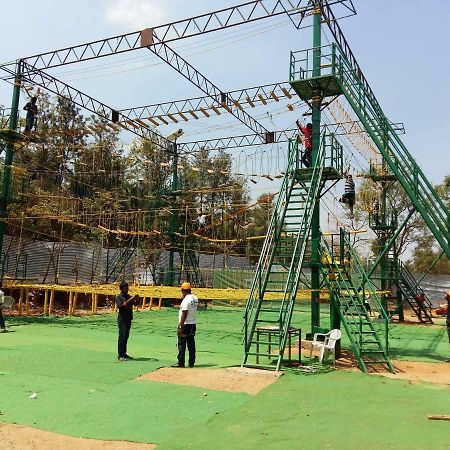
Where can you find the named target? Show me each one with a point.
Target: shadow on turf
(57, 320)
(144, 359)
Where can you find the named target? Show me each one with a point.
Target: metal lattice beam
(280, 136)
(117, 119)
(217, 20)
(204, 23)
(245, 140)
(176, 61)
(252, 96)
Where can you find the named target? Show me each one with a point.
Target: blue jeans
(2, 320)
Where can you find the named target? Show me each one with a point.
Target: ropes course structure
(84, 149)
(93, 193)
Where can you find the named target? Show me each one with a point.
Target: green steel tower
(316, 102)
(9, 157)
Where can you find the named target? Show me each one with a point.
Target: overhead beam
(39, 78)
(222, 99)
(245, 140)
(205, 23)
(281, 90)
(248, 140)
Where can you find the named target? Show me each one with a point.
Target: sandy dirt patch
(415, 371)
(233, 379)
(19, 437)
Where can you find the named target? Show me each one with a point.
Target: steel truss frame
(156, 40)
(250, 11)
(40, 78)
(252, 96)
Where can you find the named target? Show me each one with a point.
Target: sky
(402, 48)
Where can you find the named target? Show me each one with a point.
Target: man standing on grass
(124, 303)
(2, 321)
(186, 326)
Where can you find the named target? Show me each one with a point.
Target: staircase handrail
(366, 280)
(413, 286)
(296, 262)
(263, 261)
(393, 150)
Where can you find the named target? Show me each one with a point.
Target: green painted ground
(82, 390)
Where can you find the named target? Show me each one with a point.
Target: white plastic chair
(328, 343)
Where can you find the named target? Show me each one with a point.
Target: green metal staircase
(340, 76)
(410, 290)
(285, 245)
(348, 284)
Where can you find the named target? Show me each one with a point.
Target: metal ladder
(285, 245)
(348, 283)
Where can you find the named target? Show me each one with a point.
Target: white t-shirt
(189, 304)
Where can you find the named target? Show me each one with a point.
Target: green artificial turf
(82, 390)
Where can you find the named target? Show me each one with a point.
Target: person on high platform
(32, 110)
(349, 192)
(307, 135)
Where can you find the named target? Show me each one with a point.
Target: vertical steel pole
(315, 224)
(384, 213)
(9, 157)
(173, 217)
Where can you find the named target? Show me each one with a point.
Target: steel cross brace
(390, 242)
(37, 77)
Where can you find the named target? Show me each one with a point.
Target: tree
(398, 207)
(259, 217)
(426, 250)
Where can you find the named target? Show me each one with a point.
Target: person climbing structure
(349, 192)
(376, 213)
(32, 110)
(307, 135)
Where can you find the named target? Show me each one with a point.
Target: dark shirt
(30, 109)
(448, 312)
(126, 312)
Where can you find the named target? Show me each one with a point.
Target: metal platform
(329, 173)
(327, 84)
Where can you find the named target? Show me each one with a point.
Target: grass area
(82, 390)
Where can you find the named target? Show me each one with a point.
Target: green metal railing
(402, 164)
(5, 117)
(350, 283)
(382, 131)
(301, 63)
(276, 227)
(333, 151)
(257, 288)
(411, 289)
